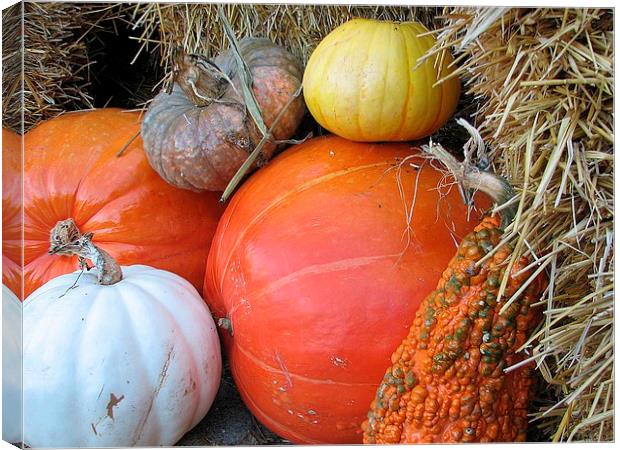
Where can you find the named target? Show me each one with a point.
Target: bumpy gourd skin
(447, 383)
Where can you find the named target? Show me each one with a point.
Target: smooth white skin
(148, 341)
(11, 367)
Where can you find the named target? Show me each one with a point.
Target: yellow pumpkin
(361, 82)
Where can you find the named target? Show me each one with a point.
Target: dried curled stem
(471, 178)
(66, 240)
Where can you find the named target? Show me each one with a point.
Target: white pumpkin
(11, 367)
(134, 363)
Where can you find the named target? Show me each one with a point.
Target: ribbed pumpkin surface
(363, 82)
(135, 363)
(71, 171)
(11, 210)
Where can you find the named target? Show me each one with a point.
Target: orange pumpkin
(71, 171)
(313, 272)
(11, 210)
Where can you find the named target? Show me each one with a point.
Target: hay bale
(544, 80)
(299, 28)
(11, 67)
(56, 63)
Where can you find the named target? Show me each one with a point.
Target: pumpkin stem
(202, 81)
(471, 178)
(66, 240)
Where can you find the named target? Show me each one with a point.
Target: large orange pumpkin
(315, 276)
(71, 171)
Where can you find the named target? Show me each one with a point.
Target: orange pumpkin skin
(309, 267)
(11, 210)
(71, 171)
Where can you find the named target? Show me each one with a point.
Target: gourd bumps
(447, 381)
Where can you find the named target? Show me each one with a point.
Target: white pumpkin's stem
(470, 177)
(66, 240)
